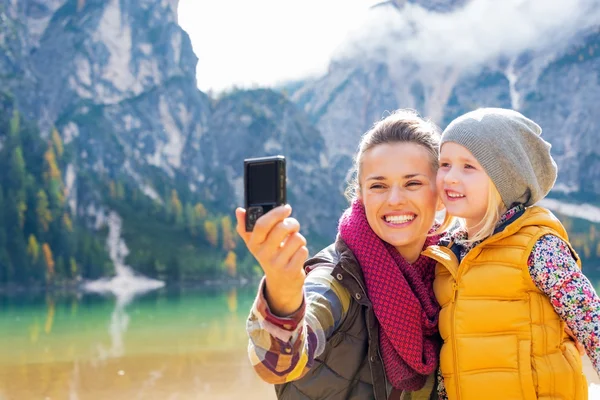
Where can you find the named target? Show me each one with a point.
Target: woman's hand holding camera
(280, 249)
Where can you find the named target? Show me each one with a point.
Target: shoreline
(77, 287)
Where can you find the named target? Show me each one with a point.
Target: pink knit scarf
(403, 301)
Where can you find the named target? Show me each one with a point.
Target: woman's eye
(376, 186)
(414, 183)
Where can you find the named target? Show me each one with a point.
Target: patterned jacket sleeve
(441, 387)
(283, 349)
(556, 273)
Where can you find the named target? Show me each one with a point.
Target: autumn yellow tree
(228, 234)
(33, 248)
(52, 177)
(211, 232)
(57, 142)
(48, 259)
(200, 211)
(21, 209)
(230, 264)
(67, 223)
(42, 211)
(176, 207)
(52, 171)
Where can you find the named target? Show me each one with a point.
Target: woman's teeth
(399, 219)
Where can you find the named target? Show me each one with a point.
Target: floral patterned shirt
(555, 272)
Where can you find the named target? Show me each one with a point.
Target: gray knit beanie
(509, 147)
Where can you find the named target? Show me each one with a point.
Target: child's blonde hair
(448, 221)
(494, 210)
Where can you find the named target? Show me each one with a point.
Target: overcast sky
(262, 42)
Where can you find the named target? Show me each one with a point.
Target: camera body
(264, 186)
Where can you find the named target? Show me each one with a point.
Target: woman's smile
(400, 220)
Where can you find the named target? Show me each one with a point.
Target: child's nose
(451, 177)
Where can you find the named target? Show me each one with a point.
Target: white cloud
(474, 34)
(263, 42)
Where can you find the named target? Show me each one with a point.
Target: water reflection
(182, 344)
(119, 321)
(50, 314)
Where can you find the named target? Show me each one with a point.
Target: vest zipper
(454, 291)
(453, 335)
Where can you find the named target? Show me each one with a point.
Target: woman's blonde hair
(494, 210)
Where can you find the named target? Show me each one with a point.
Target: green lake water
(168, 344)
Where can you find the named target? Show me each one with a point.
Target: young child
(508, 281)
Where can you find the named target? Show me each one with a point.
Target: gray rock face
(565, 101)
(108, 52)
(260, 123)
(346, 102)
(117, 78)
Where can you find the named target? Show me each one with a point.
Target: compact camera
(264, 187)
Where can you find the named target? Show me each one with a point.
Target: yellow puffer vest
(502, 338)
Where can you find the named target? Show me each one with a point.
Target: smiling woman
(359, 319)
(265, 42)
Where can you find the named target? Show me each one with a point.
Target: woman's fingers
(299, 256)
(291, 245)
(273, 242)
(266, 223)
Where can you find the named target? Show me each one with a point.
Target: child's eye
(444, 165)
(469, 166)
